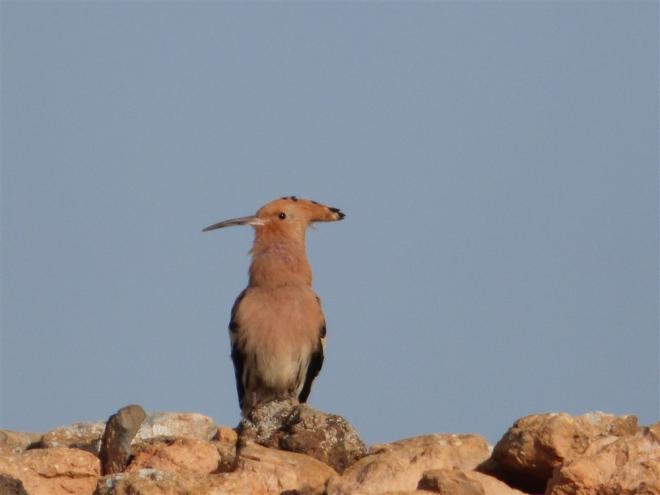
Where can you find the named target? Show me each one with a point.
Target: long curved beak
(254, 221)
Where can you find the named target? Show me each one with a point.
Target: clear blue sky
(498, 163)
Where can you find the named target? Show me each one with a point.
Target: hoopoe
(277, 328)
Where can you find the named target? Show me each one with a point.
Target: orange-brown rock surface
(463, 482)
(154, 482)
(259, 470)
(400, 465)
(281, 471)
(84, 435)
(624, 466)
(56, 471)
(188, 454)
(180, 455)
(535, 445)
(15, 442)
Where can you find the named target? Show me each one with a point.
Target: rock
(227, 453)
(188, 455)
(265, 420)
(176, 425)
(259, 471)
(11, 486)
(225, 442)
(153, 482)
(299, 428)
(55, 471)
(450, 482)
(326, 437)
(84, 435)
(280, 471)
(400, 465)
(117, 437)
(461, 482)
(627, 466)
(407, 492)
(491, 485)
(15, 442)
(535, 445)
(226, 435)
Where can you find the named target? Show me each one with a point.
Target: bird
(277, 328)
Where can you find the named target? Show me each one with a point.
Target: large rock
(188, 455)
(400, 465)
(462, 482)
(85, 435)
(259, 471)
(280, 471)
(15, 442)
(225, 441)
(624, 466)
(295, 427)
(535, 445)
(176, 425)
(226, 435)
(264, 420)
(450, 482)
(406, 492)
(154, 482)
(55, 471)
(120, 430)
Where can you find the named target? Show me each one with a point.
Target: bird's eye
(282, 215)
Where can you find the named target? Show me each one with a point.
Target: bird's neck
(279, 261)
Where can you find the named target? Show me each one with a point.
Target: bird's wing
(237, 356)
(314, 366)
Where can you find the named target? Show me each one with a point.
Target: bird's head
(285, 216)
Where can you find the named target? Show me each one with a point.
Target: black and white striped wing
(314, 366)
(237, 356)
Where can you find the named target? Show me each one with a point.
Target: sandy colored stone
(154, 482)
(462, 482)
(491, 485)
(176, 425)
(535, 445)
(259, 471)
(87, 435)
(628, 466)
(15, 442)
(188, 455)
(300, 428)
(84, 435)
(55, 471)
(225, 441)
(279, 471)
(227, 453)
(407, 492)
(450, 482)
(399, 466)
(226, 435)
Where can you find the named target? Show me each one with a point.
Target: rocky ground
(285, 448)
